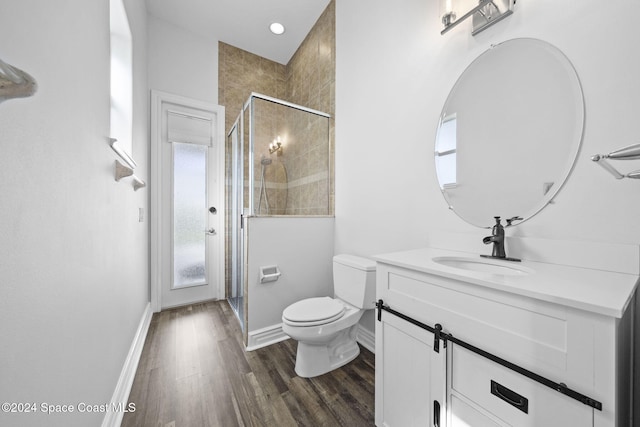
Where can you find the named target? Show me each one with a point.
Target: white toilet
(325, 327)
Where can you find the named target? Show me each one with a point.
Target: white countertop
(603, 292)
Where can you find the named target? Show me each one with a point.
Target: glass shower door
(235, 291)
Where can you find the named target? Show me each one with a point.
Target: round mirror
(509, 132)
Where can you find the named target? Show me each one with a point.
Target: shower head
(265, 161)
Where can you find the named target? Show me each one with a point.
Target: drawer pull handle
(510, 396)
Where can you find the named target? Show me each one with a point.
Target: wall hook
(122, 171)
(138, 183)
(15, 83)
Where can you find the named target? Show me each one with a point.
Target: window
(189, 214)
(121, 124)
(446, 152)
(191, 137)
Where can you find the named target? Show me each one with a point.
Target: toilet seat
(313, 312)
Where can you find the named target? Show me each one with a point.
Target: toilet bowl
(325, 327)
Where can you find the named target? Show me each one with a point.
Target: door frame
(156, 214)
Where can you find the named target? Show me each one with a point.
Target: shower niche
(278, 165)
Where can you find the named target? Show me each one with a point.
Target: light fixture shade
(632, 152)
(275, 145)
(634, 174)
(484, 13)
(447, 13)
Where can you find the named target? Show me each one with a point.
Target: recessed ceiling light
(276, 28)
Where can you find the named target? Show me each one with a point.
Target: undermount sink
(505, 268)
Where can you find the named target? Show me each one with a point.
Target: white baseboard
(265, 336)
(367, 339)
(128, 373)
(273, 334)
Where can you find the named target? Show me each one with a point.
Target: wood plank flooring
(194, 372)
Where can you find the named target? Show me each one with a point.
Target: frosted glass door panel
(189, 214)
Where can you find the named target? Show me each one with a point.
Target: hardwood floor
(194, 372)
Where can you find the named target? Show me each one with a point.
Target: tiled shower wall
(240, 73)
(297, 177)
(310, 81)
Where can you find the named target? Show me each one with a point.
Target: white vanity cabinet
(530, 321)
(413, 374)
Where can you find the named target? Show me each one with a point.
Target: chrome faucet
(497, 238)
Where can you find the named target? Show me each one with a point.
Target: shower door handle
(211, 231)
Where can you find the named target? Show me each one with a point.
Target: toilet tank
(354, 280)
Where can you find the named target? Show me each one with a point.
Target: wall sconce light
(449, 16)
(275, 145)
(485, 14)
(632, 152)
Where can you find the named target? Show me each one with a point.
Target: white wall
(393, 76)
(73, 256)
(181, 62)
(302, 248)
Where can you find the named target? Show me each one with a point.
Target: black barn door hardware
(439, 335)
(436, 330)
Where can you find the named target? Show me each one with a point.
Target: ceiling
(244, 23)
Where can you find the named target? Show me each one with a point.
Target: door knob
(211, 231)
(213, 210)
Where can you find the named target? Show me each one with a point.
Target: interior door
(190, 217)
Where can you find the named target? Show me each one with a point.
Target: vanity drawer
(537, 335)
(513, 398)
(551, 340)
(465, 415)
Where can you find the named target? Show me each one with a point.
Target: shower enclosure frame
(235, 288)
(238, 211)
(250, 103)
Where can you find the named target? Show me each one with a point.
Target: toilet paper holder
(269, 273)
